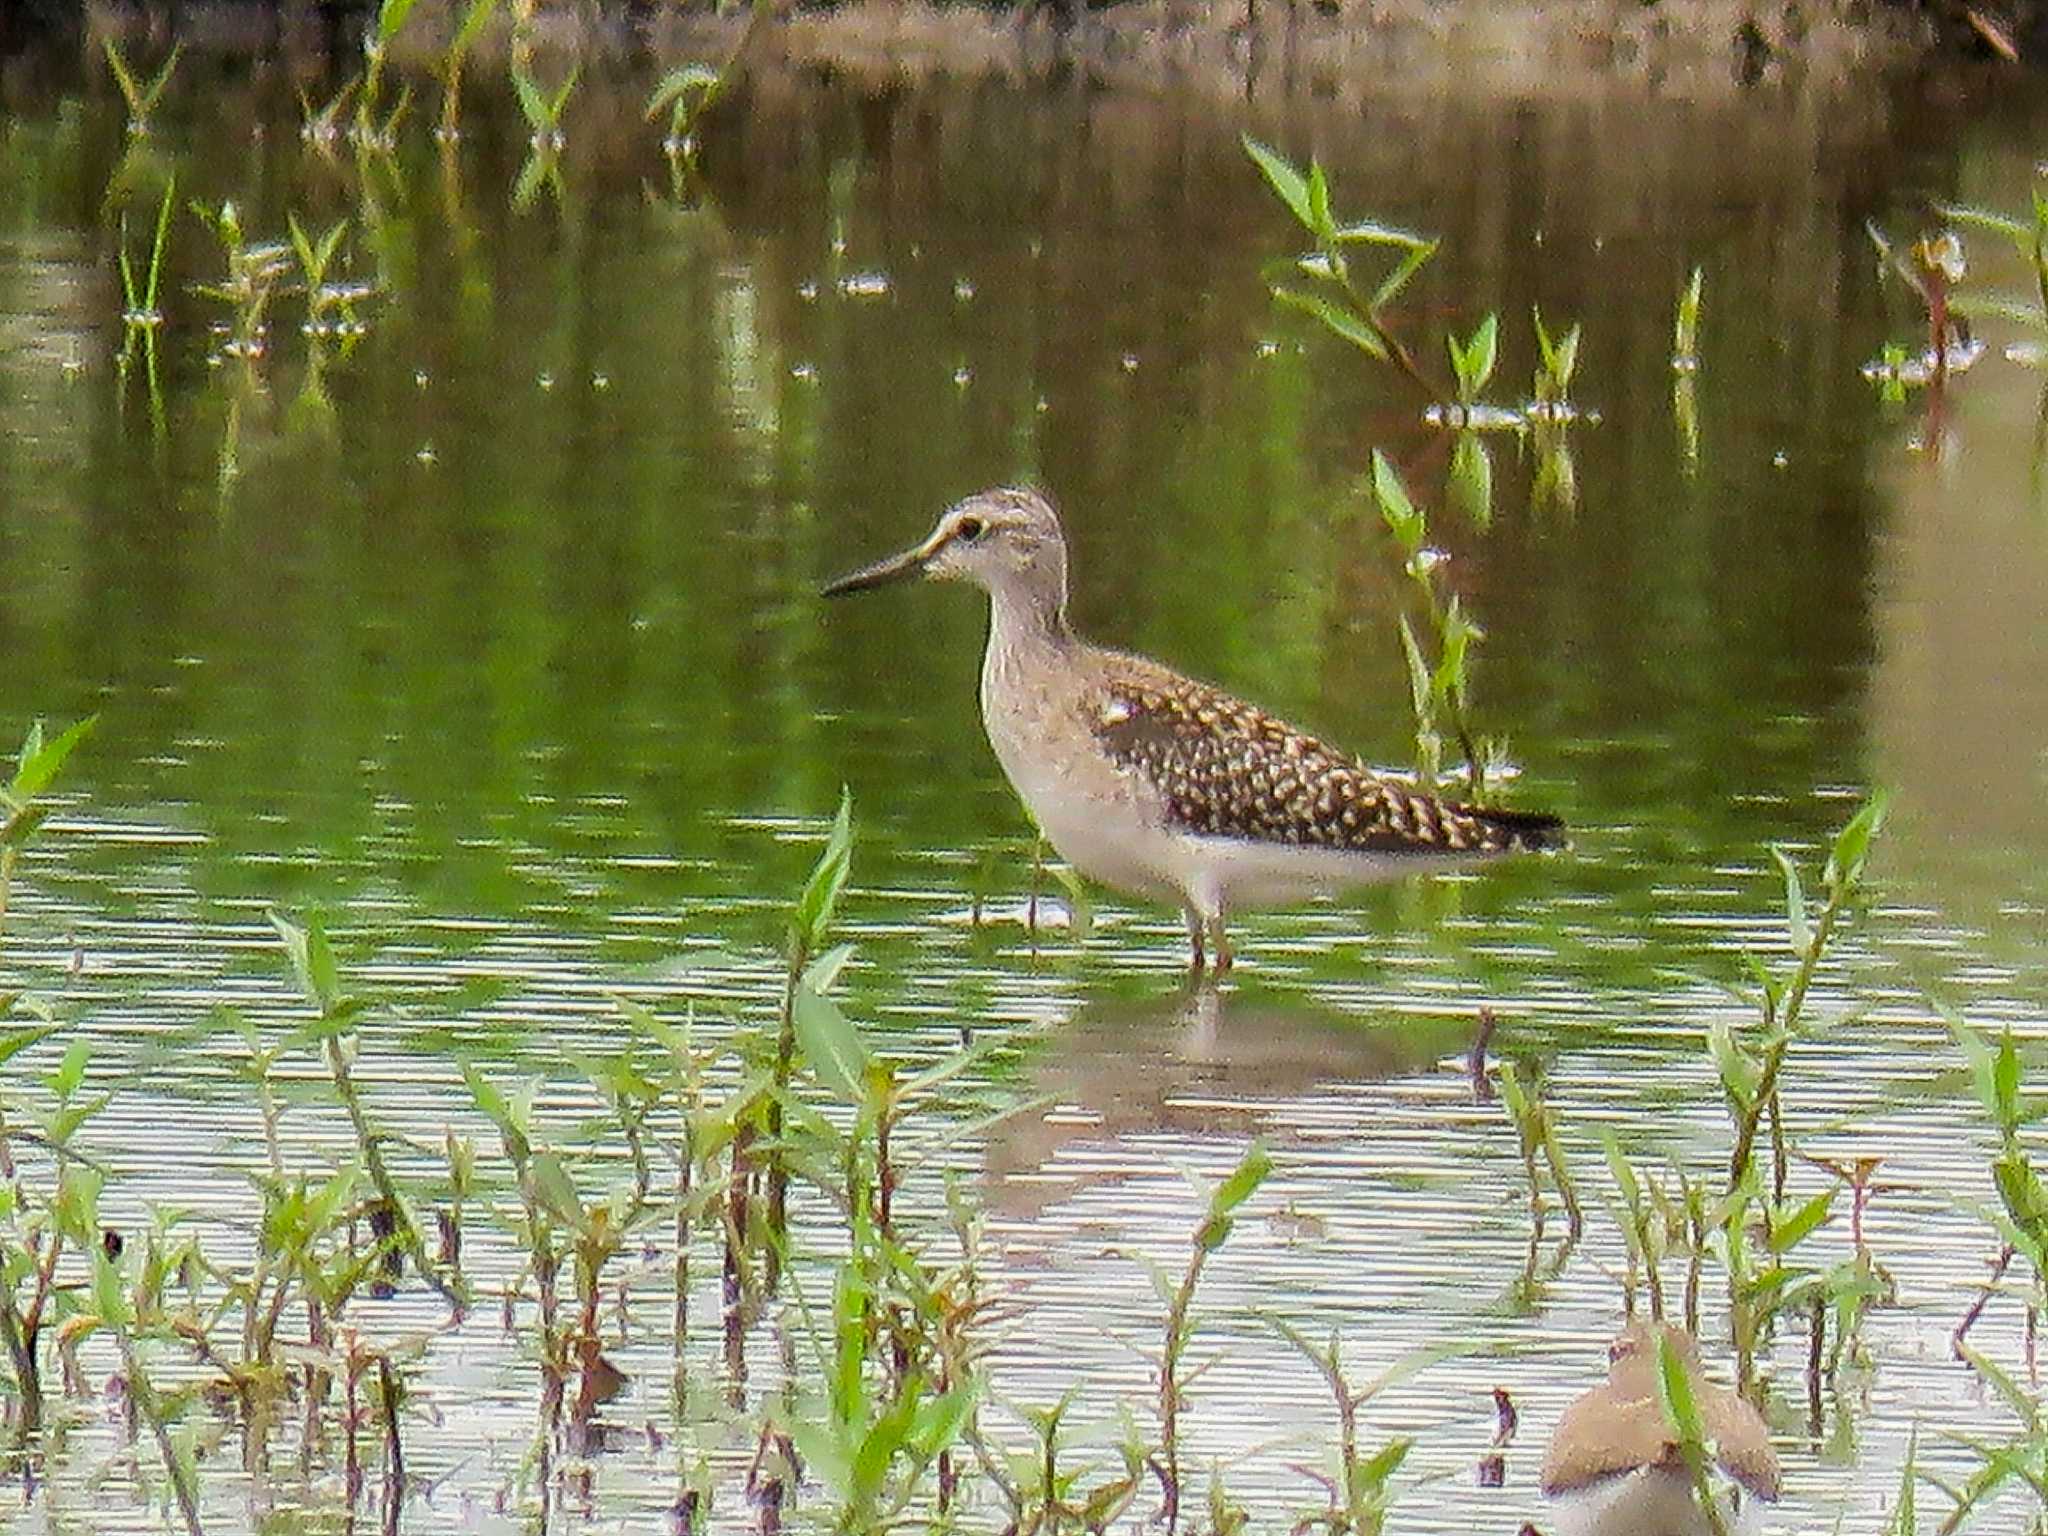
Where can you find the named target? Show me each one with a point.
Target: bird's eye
(969, 529)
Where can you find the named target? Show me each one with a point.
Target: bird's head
(1007, 541)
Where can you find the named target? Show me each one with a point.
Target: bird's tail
(1518, 830)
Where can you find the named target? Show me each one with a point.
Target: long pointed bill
(896, 568)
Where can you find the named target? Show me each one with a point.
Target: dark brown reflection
(1199, 1061)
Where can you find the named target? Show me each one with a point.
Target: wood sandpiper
(1161, 786)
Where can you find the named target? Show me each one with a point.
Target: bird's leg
(1222, 938)
(1195, 922)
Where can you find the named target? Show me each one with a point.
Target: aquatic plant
(2029, 236)
(1536, 1131)
(252, 278)
(372, 132)
(1360, 1488)
(684, 94)
(1685, 367)
(141, 97)
(1439, 688)
(1764, 1286)
(475, 17)
(1334, 295)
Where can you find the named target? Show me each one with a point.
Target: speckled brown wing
(1227, 769)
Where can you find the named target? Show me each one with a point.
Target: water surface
(494, 637)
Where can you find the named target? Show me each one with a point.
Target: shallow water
(495, 639)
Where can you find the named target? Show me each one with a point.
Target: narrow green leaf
(1419, 680)
(1282, 177)
(70, 1070)
(820, 898)
(15, 1041)
(1370, 232)
(474, 21)
(1252, 1171)
(1390, 287)
(40, 760)
(830, 1044)
(1481, 350)
(1674, 1392)
(1320, 222)
(1852, 843)
(391, 18)
(1739, 1075)
(2005, 1079)
(1374, 1472)
(1798, 931)
(1354, 328)
(109, 1298)
(1685, 334)
(554, 1190)
(1398, 511)
(1789, 1233)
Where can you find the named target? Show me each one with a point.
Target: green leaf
(491, 1100)
(391, 18)
(677, 84)
(1418, 670)
(1324, 227)
(108, 1297)
(554, 1190)
(2005, 1079)
(71, 1070)
(1471, 480)
(1739, 1075)
(1391, 286)
(1674, 1392)
(15, 1041)
(831, 1044)
(1618, 1165)
(1370, 232)
(532, 105)
(1374, 1472)
(1282, 177)
(1797, 929)
(1252, 1171)
(1396, 509)
(1852, 843)
(473, 22)
(1787, 1234)
(40, 761)
(1983, 1068)
(1354, 328)
(941, 1419)
(820, 898)
(1480, 352)
(822, 972)
(1685, 335)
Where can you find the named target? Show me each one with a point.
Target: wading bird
(1615, 1467)
(1160, 786)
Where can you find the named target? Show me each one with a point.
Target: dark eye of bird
(968, 529)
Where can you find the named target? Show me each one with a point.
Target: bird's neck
(1028, 619)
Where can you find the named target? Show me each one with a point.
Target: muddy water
(492, 635)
